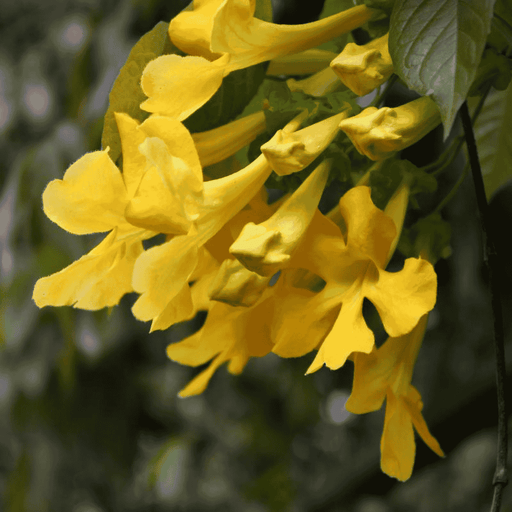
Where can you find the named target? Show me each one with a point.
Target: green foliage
(383, 5)
(388, 177)
(436, 48)
(431, 232)
(493, 133)
(126, 94)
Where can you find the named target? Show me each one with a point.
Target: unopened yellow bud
(267, 247)
(363, 68)
(237, 286)
(380, 133)
(288, 152)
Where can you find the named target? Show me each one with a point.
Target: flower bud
(380, 133)
(291, 152)
(363, 68)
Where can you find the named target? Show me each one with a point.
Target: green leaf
(493, 132)
(126, 94)
(436, 47)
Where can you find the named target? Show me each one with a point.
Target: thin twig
(493, 265)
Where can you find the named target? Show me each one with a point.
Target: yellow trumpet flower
(177, 86)
(380, 133)
(386, 373)
(363, 68)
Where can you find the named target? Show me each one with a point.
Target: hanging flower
(401, 298)
(386, 372)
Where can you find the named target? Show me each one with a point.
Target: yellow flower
(231, 334)
(386, 373)
(218, 144)
(177, 86)
(92, 198)
(363, 68)
(161, 274)
(291, 151)
(267, 247)
(380, 133)
(400, 298)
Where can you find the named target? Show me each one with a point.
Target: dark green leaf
(436, 46)
(493, 132)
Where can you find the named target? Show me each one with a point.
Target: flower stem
(493, 265)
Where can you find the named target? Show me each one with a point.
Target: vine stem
(493, 265)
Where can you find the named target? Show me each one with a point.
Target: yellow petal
(413, 405)
(403, 297)
(97, 280)
(250, 40)
(134, 162)
(302, 319)
(265, 248)
(363, 68)
(90, 198)
(179, 309)
(370, 231)
(291, 152)
(397, 445)
(349, 334)
(191, 30)
(160, 273)
(181, 145)
(371, 378)
(154, 208)
(178, 86)
(198, 384)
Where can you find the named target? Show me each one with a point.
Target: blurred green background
(89, 417)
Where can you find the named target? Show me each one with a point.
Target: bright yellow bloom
(267, 247)
(92, 198)
(380, 133)
(178, 86)
(161, 274)
(291, 151)
(363, 68)
(386, 373)
(353, 269)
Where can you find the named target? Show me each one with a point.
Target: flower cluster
(281, 277)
